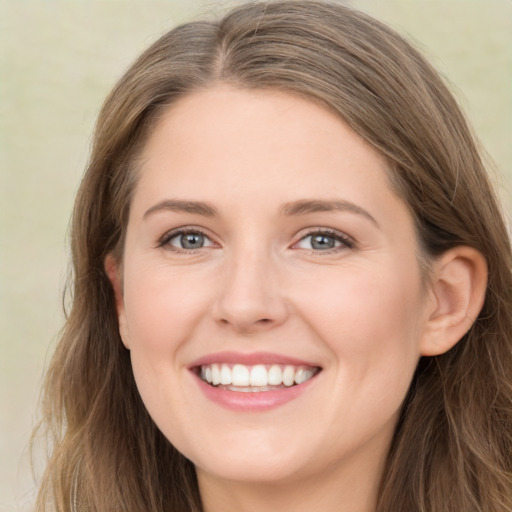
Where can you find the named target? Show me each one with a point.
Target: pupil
(192, 240)
(322, 242)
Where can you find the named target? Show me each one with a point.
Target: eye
(324, 241)
(187, 240)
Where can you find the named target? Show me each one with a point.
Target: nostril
(261, 322)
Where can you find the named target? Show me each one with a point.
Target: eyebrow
(307, 206)
(300, 207)
(175, 205)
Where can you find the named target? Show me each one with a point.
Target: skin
(360, 311)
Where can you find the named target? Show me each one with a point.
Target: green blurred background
(58, 60)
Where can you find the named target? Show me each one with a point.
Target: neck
(341, 489)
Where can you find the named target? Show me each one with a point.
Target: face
(272, 299)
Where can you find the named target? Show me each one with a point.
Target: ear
(457, 295)
(114, 273)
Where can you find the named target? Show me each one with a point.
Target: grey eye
(319, 242)
(189, 240)
(322, 242)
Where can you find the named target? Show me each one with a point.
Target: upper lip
(250, 359)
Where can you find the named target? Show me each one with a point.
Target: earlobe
(457, 295)
(113, 271)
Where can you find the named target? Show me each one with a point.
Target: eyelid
(347, 242)
(163, 241)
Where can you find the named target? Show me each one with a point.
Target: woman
(292, 283)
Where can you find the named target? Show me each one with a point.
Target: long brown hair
(452, 450)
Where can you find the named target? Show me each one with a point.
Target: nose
(249, 297)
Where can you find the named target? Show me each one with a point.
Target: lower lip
(252, 401)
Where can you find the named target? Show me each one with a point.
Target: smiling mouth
(255, 378)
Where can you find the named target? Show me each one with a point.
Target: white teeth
(240, 375)
(255, 378)
(302, 375)
(275, 375)
(259, 375)
(225, 375)
(215, 374)
(289, 376)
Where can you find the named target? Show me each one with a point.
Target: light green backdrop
(57, 62)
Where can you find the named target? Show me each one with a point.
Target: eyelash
(165, 240)
(346, 242)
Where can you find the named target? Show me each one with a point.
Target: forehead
(257, 138)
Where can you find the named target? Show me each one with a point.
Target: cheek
(162, 309)
(163, 305)
(370, 325)
(370, 320)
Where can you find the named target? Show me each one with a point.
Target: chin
(253, 461)
(252, 471)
